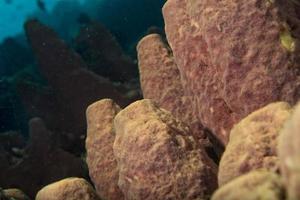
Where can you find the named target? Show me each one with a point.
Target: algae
(287, 40)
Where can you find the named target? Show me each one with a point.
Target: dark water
(56, 58)
(127, 21)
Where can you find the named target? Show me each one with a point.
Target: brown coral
(289, 154)
(68, 189)
(231, 57)
(40, 163)
(67, 74)
(102, 53)
(259, 184)
(158, 158)
(253, 142)
(99, 145)
(160, 82)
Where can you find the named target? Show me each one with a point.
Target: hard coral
(231, 57)
(101, 161)
(160, 82)
(258, 184)
(253, 142)
(40, 163)
(74, 85)
(158, 158)
(289, 152)
(103, 54)
(68, 189)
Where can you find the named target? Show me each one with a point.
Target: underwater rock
(40, 163)
(160, 81)
(234, 56)
(68, 189)
(67, 74)
(289, 154)
(253, 142)
(101, 161)
(15, 194)
(158, 158)
(258, 184)
(102, 53)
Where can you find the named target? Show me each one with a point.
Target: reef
(253, 142)
(101, 161)
(68, 189)
(14, 194)
(160, 80)
(39, 163)
(91, 40)
(225, 78)
(157, 156)
(234, 56)
(258, 184)
(288, 153)
(72, 86)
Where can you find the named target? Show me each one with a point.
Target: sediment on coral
(101, 161)
(253, 142)
(231, 57)
(39, 163)
(15, 194)
(160, 81)
(257, 184)
(289, 152)
(68, 189)
(226, 77)
(74, 86)
(157, 156)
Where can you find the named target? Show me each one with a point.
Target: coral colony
(217, 116)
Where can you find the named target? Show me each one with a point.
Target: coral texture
(40, 163)
(160, 81)
(68, 189)
(157, 156)
(15, 194)
(289, 154)
(235, 56)
(253, 142)
(259, 184)
(67, 74)
(99, 145)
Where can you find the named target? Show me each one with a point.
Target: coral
(289, 154)
(253, 142)
(231, 57)
(102, 53)
(160, 82)
(131, 21)
(15, 194)
(158, 158)
(227, 76)
(68, 189)
(75, 86)
(101, 161)
(40, 101)
(40, 163)
(259, 184)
